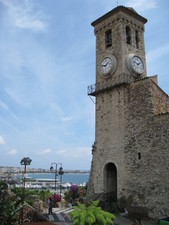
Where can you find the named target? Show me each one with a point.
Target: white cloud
(66, 119)
(142, 4)
(2, 140)
(45, 152)
(13, 152)
(62, 152)
(24, 15)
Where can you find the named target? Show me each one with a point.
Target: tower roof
(128, 10)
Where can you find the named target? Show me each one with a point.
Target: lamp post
(61, 172)
(25, 161)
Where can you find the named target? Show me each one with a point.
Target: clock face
(107, 66)
(135, 64)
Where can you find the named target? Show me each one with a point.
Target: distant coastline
(67, 178)
(17, 170)
(48, 171)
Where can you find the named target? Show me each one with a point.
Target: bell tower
(131, 129)
(120, 60)
(120, 51)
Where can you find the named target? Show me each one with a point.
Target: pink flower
(56, 198)
(74, 188)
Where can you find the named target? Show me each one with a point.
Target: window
(108, 38)
(139, 156)
(137, 39)
(128, 35)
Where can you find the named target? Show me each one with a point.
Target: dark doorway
(110, 180)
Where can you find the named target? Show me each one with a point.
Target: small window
(139, 156)
(108, 38)
(137, 39)
(128, 35)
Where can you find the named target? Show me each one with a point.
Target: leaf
(94, 203)
(76, 221)
(89, 220)
(100, 219)
(81, 206)
(109, 215)
(109, 221)
(90, 214)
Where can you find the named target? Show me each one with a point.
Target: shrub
(55, 198)
(9, 206)
(73, 188)
(91, 215)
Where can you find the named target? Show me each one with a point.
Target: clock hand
(138, 63)
(105, 64)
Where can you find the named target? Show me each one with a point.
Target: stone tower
(131, 145)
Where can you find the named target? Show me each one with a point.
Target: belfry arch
(110, 179)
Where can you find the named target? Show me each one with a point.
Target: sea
(73, 178)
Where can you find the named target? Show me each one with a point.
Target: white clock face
(105, 65)
(137, 65)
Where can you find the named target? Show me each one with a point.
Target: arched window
(128, 35)
(108, 38)
(137, 39)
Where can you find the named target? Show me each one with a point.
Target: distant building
(9, 169)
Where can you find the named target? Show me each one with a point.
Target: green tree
(9, 206)
(43, 194)
(93, 214)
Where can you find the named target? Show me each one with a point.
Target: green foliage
(9, 206)
(43, 194)
(91, 215)
(10, 202)
(81, 192)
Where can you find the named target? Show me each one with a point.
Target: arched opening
(110, 180)
(108, 38)
(128, 35)
(137, 39)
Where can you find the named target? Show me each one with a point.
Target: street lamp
(25, 161)
(61, 172)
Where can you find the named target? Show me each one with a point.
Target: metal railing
(109, 84)
(94, 88)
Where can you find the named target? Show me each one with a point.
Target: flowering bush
(55, 198)
(73, 188)
(75, 192)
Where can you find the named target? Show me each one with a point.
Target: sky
(47, 60)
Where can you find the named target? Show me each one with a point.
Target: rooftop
(128, 10)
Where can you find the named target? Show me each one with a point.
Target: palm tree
(92, 215)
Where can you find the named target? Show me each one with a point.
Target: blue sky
(47, 60)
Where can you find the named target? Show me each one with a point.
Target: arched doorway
(110, 180)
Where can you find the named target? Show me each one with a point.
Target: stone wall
(130, 135)
(148, 148)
